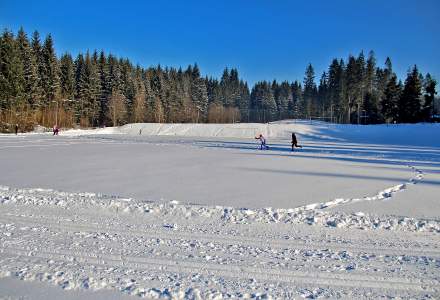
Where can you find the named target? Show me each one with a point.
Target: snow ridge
(313, 214)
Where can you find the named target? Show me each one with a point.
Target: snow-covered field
(197, 211)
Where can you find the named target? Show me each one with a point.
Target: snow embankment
(81, 132)
(310, 214)
(242, 130)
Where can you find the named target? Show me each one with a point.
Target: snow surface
(196, 211)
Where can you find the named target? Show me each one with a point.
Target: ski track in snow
(92, 241)
(180, 251)
(382, 195)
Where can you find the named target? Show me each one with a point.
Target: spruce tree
(352, 87)
(263, 102)
(361, 84)
(50, 76)
(409, 102)
(29, 67)
(80, 87)
(37, 54)
(335, 88)
(284, 98)
(310, 91)
(370, 72)
(390, 101)
(67, 76)
(322, 97)
(199, 95)
(226, 92)
(95, 89)
(103, 71)
(11, 73)
(428, 97)
(298, 107)
(245, 99)
(139, 101)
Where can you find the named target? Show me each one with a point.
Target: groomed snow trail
(152, 250)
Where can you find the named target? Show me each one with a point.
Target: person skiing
(55, 129)
(295, 142)
(262, 142)
(16, 129)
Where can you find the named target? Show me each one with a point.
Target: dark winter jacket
(294, 141)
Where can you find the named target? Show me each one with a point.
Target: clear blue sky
(263, 39)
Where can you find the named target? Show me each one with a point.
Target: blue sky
(263, 39)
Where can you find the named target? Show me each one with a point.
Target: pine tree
(276, 94)
(245, 99)
(352, 87)
(117, 108)
(322, 96)
(103, 72)
(297, 106)
(94, 88)
(50, 76)
(390, 101)
(199, 94)
(310, 91)
(409, 102)
(370, 113)
(428, 97)
(226, 94)
(234, 87)
(139, 102)
(29, 67)
(361, 84)
(67, 77)
(263, 102)
(37, 54)
(80, 87)
(388, 69)
(370, 72)
(11, 73)
(284, 98)
(213, 90)
(157, 87)
(128, 86)
(335, 88)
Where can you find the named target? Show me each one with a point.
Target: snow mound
(81, 132)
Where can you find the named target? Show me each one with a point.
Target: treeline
(96, 89)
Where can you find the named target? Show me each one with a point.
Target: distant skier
(16, 129)
(262, 142)
(295, 142)
(55, 129)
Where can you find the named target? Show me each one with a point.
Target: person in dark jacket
(295, 142)
(16, 129)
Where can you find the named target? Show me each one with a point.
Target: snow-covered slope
(395, 134)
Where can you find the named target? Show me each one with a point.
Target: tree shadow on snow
(399, 155)
(339, 175)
